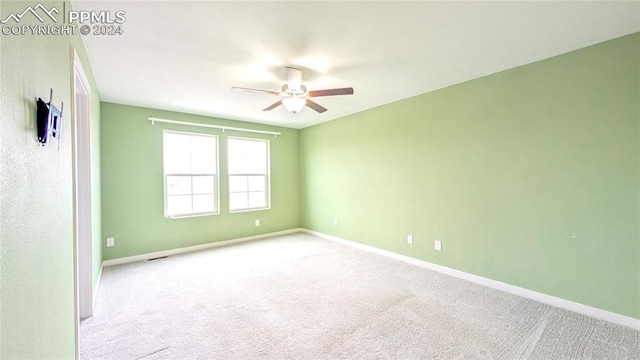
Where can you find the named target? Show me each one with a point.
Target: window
(190, 174)
(248, 174)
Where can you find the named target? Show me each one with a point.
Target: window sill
(190, 216)
(249, 210)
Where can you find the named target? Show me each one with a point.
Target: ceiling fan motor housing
(286, 91)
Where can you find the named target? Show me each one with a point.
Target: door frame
(81, 173)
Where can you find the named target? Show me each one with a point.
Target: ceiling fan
(295, 95)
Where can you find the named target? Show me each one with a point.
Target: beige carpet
(301, 297)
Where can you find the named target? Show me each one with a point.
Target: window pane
(247, 156)
(203, 203)
(190, 164)
(203, 185)
(176, 153)
(248, 164)
(257, 183)
(203, 155)
(177, 205)
(238, 201)
(257, 199)
(178, 185)
(238, 183)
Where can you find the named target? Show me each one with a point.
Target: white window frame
(267, 177)
(216, 178)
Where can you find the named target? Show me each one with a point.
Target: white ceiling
(186, 55)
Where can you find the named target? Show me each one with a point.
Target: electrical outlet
(111, 242)
(437, 245)
(410, 239)
(335, 221)
(257, 222)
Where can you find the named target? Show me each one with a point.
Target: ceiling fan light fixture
(294, 104)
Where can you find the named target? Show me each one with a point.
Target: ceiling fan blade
(256, 91)
(273, 106)
(294, 78)
(331, 92)
(315, 106)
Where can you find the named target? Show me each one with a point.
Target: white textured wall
(36, 204)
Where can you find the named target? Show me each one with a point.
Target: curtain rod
(154, 119)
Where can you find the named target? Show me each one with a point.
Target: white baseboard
(526, 293)
(97, 286)
(157, 254)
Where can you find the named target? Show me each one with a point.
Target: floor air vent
(158, 258)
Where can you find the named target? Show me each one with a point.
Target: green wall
(529, 176)
(36, 206)
(132, 184)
